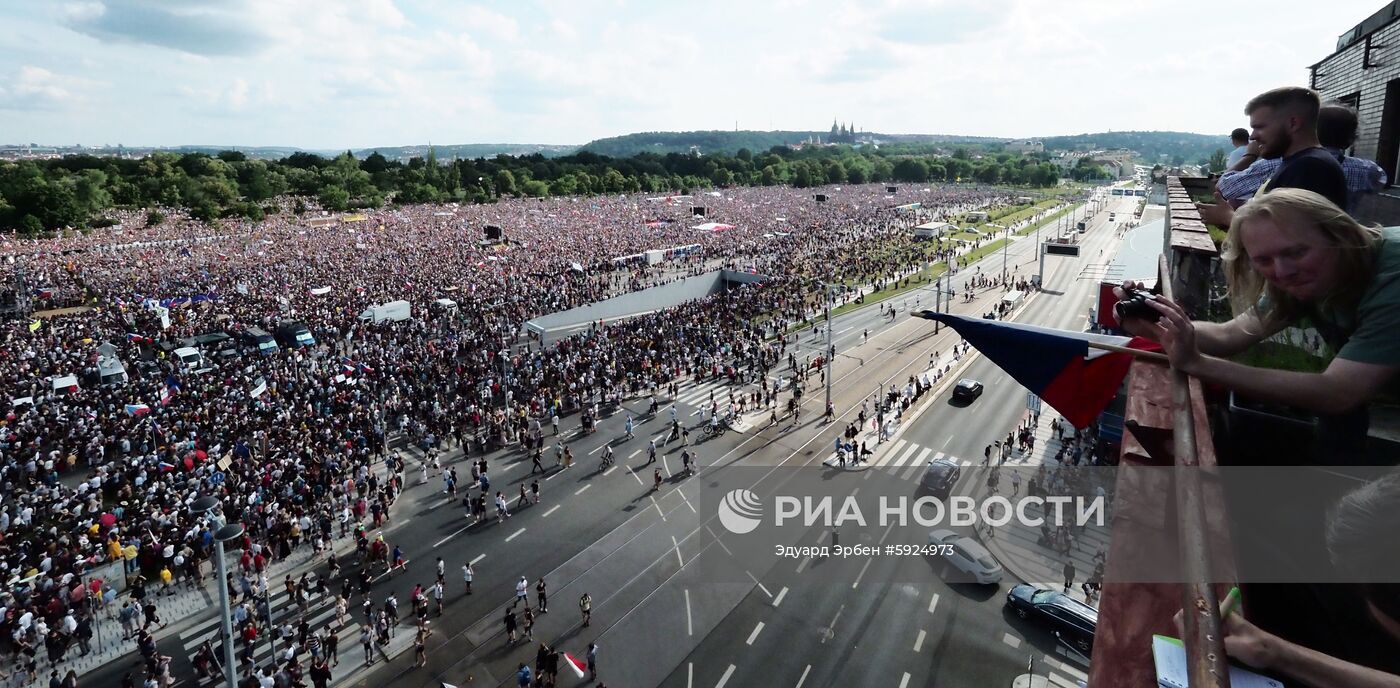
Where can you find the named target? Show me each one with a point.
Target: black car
(967, 390)
(1072, 621)
(940, 477)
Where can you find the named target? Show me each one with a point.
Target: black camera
(1135, 305)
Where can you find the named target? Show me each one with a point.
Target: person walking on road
(522, 676)
(628, 426)
(528, 633)
(592, 657)
(541, 597)
(1069, 574)
(522, 592)
(585, 608)
(1015, 483)
(651, 451)
(510, 626)
(656, 479)
(467, 574)
(420, 645)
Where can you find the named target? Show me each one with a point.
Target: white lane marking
(676, 544)
(553, 475)
(803, 680)
(658, 509)
(919, 641)
(908, 453)
(904, 682)
(803, 564)
(478, 558)
(596, 449)
(581, 489)
(1011, 640)
(945, 442)
(933, 603)
(638, 477)
(725, 678)
(831, 629)
(689, 674)
(922, 456)
(634, 454)
(552, 510)
(779, 599)
(689, 630)
(754, 634)
(892, 452)
(860, 575)
(609, 471)
(449, 537)
(514, 535)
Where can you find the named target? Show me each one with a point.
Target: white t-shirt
(1235, 156)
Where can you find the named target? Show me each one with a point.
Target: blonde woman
(1291, 255)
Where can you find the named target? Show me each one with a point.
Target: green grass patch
(1278, 356)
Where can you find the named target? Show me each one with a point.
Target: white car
(967, 555)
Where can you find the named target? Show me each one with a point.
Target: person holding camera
(1293, 255)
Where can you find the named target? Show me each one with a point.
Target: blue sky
(361, 73)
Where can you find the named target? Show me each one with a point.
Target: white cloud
(338, 73)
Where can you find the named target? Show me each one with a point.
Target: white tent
(712, 227)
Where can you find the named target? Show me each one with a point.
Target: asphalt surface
(642, 554)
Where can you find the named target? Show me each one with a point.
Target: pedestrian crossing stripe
(892, 452)
(908, 453)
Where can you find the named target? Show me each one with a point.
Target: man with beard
(1284, 125)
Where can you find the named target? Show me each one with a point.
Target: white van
(189, 358)
(445, 306)
(394, 310)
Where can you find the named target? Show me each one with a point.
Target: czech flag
(576, 664)
(1067, 369)
(137, 409)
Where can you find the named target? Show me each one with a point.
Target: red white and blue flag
(351, 366)
(137, 409)
(1059, 366)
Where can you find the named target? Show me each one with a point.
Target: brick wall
(1342, 77)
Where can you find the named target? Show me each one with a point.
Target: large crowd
(289, 441)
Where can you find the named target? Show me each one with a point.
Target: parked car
(294, 335)
(940, 477)
(967, 390)
(260, 339)
(1072, 621)
(968, 556)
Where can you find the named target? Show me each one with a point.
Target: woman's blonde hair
(1355, 243)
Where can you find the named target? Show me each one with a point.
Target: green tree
(505, 183)
(1217, 160)
(911, 170)
(334, 197)
(154, 218)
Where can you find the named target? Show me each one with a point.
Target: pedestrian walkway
(189, 601)
(320, 616)
(1019, 547)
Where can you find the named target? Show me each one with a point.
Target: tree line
(75, 191)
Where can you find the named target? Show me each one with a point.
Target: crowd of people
(290, 442)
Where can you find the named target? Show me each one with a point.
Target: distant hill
(729, 142)
(468, 151)
(1150, 145)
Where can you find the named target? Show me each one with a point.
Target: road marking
(638, 477)
(803, 680)
(919, 641)
(449, 537)
(676, 544)
(904, 682)
(754, 635)
(581, 489)
(596, 449)
(688, 629)
(803, 564)
(552, 510)
(892, 452)
(658, 508)
(933, 603)
(863, 567)
(725, 678)
(1011, 640)
(843, 331)
(554, 475)
(923, 455)
(831, 629)
(609, 471)
(514, 535)
(779, 600)
(634, 454)
(479, 557)
(908, 453)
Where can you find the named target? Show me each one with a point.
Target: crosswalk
(698, 396)
(320, 615)
(906, 459)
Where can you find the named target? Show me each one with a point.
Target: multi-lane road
(660, 615)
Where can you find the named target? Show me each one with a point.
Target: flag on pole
(137, 409)
(575, 664)
(1077, 373)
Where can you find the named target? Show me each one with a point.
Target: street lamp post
(226, 532)
(1006, 242)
